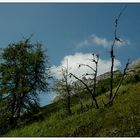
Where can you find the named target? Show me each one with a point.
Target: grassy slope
(122, 119)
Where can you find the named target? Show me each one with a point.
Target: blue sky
(73, 30)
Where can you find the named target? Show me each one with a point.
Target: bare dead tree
(118, 87)
(63, 87)
(65, 74)
(92, 91)
(95, 76)
(116, 39)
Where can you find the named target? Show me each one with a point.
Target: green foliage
(132, 79)
(4, 114)
(103, 86)
(23, 75)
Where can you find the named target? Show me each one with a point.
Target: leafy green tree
(23, 75)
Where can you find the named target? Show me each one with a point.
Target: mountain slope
(121, 119)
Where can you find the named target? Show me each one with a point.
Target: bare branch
(87, 66)
(82, 82)
(124, 73)
(88, 89)
(87, 74)
(121, 12)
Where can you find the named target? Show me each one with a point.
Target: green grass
(121, 119)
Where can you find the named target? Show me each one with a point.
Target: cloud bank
(80, 58)
(99, 41)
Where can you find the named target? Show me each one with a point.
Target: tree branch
(118, 87)
(87, 66)
(88, 89)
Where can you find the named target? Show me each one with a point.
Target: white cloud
(99, 41)
(80, 58)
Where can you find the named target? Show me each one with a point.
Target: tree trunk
(69, 105)
(111, 72)
(97, 106)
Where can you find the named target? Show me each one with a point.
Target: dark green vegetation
(120, 119)
(23, 75)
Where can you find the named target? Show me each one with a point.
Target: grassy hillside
(121, 119)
